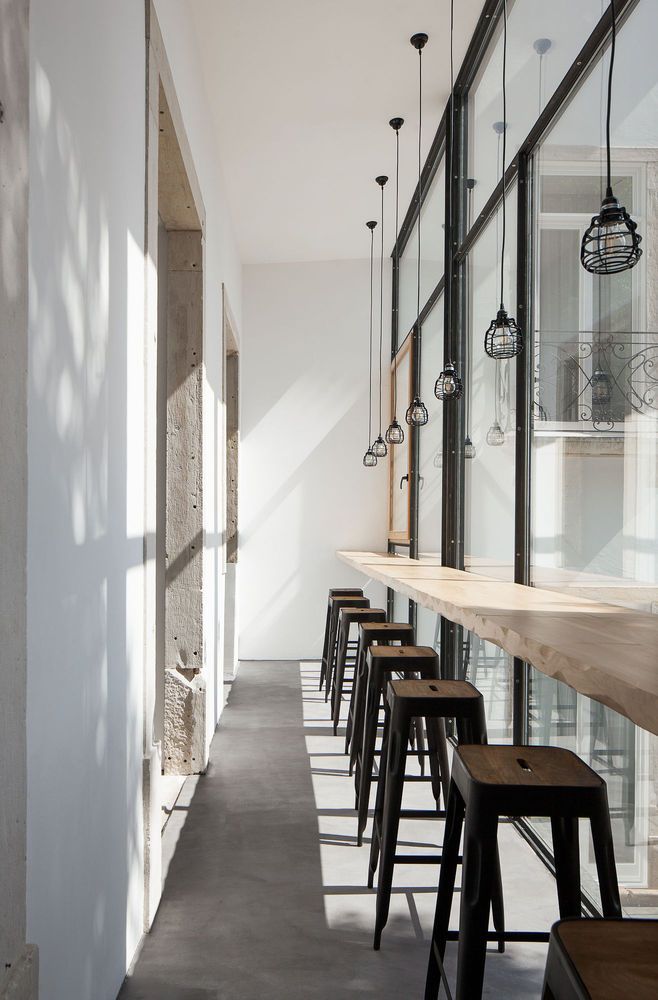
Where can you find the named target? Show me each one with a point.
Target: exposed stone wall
(184, 725)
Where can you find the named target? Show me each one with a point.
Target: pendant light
(601, 388)
(416, 415)
(503, 339)
(449, 385)
(379, 447)
(395, 434)
(611, 244)
(370, 459)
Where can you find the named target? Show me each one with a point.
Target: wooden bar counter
(603, 651)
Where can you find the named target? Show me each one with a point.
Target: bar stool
(346, 618)
(602, 960)
(493, 781)
(381, 663)
(381, 633)
(433, 701)
(333, 592)
(336, 604)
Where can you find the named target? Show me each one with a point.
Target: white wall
(85, 498)
(86, 501)
(303, 489)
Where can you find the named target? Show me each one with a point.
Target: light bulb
(395, 434)
(416, 415)
(495, 435)
(379, 447)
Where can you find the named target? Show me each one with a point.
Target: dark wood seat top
(526, 767)
(614, 958)
(433, 689)
(387, 627)
(402, 652)
(354, 614)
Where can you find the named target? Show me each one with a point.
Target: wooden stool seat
(602, 960)
(336, 603)
(492, 781)
(347, 616)
(370, 633)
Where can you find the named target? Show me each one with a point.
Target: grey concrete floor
(265, 894)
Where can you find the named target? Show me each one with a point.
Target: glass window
(490, 416)
(531, 79)
(595, 427)
(400, 455)
(432, 238)
(431, 436)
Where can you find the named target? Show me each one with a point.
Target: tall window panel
(432, 254)
(431, 436)
(595, 425)
(544, 39)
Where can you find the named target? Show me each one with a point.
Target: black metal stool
(336, 604)
(493, 781)
(346, 618)
(432, 701)
(602, 960)
(370, 633)
(381, 663)
(334, 592)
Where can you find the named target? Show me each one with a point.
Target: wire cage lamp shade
(379, 447)
(370, 459)
(417, 415)
(503, 339)
(495, 435)
(601, 388)
(448, 385)
(395, 433)
(611, 244)
(469, 448)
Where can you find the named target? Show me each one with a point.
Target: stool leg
(604, 854)
(355, 733)
(331, 652)
(323, 665)
(339, 664)
(364, 775)
(439, 766)
(497, 905)
(567, 864)
(349, 728)
(393, 768)
(339, 677)
(480, 835)
(448, 871)
(376, 839)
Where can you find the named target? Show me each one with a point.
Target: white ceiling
(302, 92)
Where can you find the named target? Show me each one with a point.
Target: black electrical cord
(372, 259)
(397, 270)
(381, 314)
(502, 172)
(607, 122)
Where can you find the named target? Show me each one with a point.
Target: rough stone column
(184, 710)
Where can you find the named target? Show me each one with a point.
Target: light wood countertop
(604, 651)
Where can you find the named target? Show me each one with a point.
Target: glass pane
(490, 417)
(489, 668)
(531, 79)
(427, 628)
(399, 454)
(595, 432)
(432, 238)
(431, 436)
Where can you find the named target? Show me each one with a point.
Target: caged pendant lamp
(503, 339)
(395, 434)
(449, 384)
(379, 447)
(612, 243)
(370, 459)
(416, 415)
